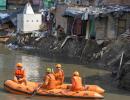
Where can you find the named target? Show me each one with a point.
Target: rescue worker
(49, 80)
(59, 74)
(76, 82)
(19, 75)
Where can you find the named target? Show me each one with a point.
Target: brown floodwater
(35, 67)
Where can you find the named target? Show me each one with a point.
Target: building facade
(28, 21)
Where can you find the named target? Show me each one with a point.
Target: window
(32, 20)
(27, 20)
(37, 21)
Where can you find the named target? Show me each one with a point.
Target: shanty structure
(101, 20)
(28, 21)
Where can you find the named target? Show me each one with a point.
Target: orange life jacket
(59, 75)
(76, 83)
(52, 81)
(19, 73)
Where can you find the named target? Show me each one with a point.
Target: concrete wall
(20, 22)
(128, 21)
(101, 26)
(29, 23)
(111, 34)
(59, 19)
(113, 26)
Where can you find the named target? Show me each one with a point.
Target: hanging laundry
(85, 16)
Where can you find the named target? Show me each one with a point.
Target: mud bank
(117, 59)
(105, 55)
(71, 47)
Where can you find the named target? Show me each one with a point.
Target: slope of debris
(50, 46)
(119, 65)
(124, 79)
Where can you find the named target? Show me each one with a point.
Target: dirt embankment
(107, 54)
(71, 46)
(117, 59)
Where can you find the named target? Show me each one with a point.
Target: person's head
(76, 73)
(58, 66)
(19, 65)
(48, 70)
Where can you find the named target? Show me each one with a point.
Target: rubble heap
(111, 59)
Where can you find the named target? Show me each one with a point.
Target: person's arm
(46, 80)
(24, 74)
(15, 78)
(73, 82)
(82, 82)
(63, 77)
(14, 75)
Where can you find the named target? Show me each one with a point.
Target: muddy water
(35, 67)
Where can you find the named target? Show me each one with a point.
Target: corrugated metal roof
(73, 11)
(5, 17)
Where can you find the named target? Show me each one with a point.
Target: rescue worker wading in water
(76, 82)
(19, 75)
(59, 74)
(49, 80)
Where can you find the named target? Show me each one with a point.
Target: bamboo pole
(120, 65)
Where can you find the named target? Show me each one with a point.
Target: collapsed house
(8, 21)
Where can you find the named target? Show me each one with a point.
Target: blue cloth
(72, 13)
(3, 15)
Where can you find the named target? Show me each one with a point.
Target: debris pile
(114, 60)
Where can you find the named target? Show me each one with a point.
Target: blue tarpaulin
(3, 15)
(6, 17)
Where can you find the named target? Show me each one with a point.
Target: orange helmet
(58, 65)
(76, 73)
(19, 65)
